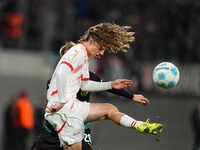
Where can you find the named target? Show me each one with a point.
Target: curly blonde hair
(65, 48)
(110, 37)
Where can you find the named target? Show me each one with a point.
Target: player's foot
(150, 128)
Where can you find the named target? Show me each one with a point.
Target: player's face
(96, 51)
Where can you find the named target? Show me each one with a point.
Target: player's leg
(86, 145)
(47, 141)
(100, 111)
(68, 122)
(87, 142)
(75, 146)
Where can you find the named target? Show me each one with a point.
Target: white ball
(166, 75)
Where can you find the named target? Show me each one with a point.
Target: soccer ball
(166, 75)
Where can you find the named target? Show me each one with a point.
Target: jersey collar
(84, 46)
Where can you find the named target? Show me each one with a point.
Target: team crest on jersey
(72, 57)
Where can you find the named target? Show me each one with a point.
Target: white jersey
(66, 80)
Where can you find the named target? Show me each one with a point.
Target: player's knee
(111, 109)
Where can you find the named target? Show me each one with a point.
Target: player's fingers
(145, 100)
(128, 83)
(57, 106)
(124, 80)
(141, 99)
(48, 110)
(52, 108)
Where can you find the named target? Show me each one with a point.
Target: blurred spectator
(117, 67)
(196, 127)
(85, 9)
(19, 122)
(11, 24)
(8, 132)
(164, 29)
(85, 15)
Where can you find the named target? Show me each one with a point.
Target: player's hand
(54, 108)
(140, 99)
(121, 84)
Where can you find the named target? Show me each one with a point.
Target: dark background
(32, 31)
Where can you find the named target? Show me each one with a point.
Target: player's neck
(87, 47)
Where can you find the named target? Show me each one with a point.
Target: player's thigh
(99, 111)
(76, 146)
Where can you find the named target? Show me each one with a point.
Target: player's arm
(121, 92)
(135, 97)
(93, 86)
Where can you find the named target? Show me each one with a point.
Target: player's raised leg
(100, 111)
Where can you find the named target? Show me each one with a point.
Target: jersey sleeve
(93, 86)
(121, 92)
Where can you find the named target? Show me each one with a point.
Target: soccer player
(48, 139)
(64, 111)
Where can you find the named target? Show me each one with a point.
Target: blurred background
(32, 31)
